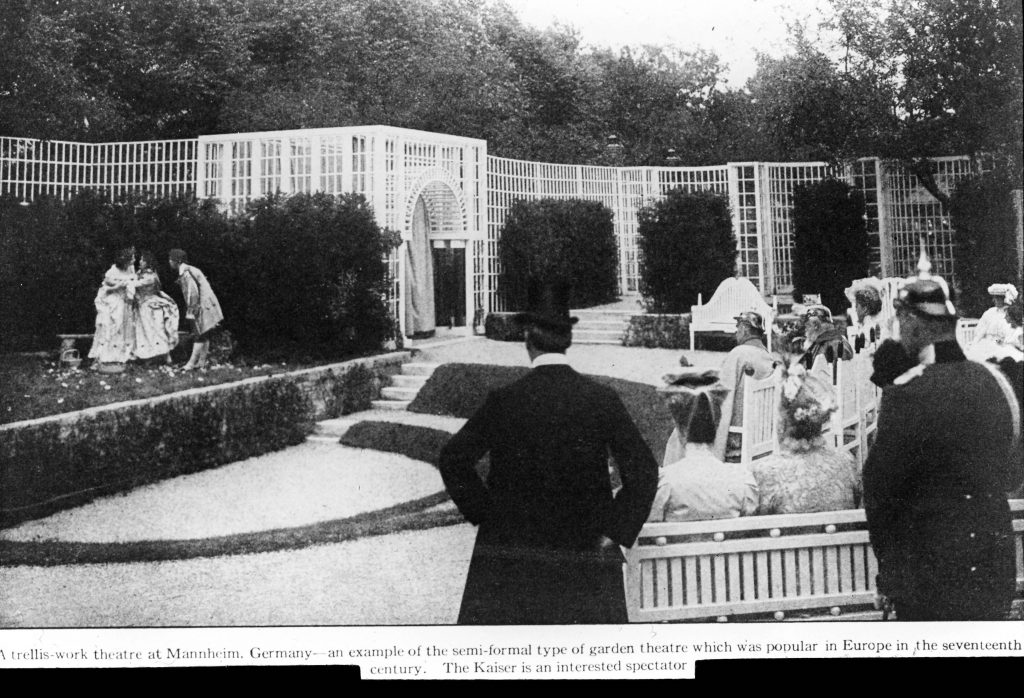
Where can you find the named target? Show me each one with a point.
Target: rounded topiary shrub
(687, 246)
(830, 240)
(315, 272)
(568, 240)
(985, 234)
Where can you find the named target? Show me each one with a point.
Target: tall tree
(952, 71)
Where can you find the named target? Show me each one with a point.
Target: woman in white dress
(994, 331)
(155, 314)
(114, 339)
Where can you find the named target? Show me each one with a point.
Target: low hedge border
(502, 327)
(658, 332)
(416, 515)
(53, 463)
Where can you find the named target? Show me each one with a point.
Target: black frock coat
(935, 492)
(548, 500)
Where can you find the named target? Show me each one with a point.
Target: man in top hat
(937, 477)
(748, 357)
(547, 548)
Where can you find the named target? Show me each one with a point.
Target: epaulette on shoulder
(910, 375)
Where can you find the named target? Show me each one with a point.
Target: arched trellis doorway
(435, 276)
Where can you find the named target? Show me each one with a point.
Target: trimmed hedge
(299, 278)
(62, 461)
(419, 443)
(985, 233)
(502, 327)
(658, 332)
(568, 240)
(830, 240)
(459, 390)
(686, 247)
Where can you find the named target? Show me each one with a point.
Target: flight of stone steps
(404, 386)
(601, 326)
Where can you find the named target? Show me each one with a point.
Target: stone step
(322, 438)
(390, 404)
(394, 393)
(418, 369)
(413, 381)
(599, 324)
(611, 335)
(333, 428)
(610, 342)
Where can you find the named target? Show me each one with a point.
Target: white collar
(550, 360)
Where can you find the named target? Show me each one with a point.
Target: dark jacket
(935, 491)
(831, 343)
(548, 500)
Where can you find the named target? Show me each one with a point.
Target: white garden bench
(966, 328)
(759, 565)
(732, 297)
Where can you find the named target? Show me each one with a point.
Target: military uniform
(935, 488)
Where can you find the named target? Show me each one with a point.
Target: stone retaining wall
(63, 460)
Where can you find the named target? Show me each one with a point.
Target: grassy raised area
(32, 386)
(459, 389)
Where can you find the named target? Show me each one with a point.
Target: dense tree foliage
(906, 79)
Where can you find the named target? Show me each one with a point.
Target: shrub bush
(985, 234)
(502, 327)
(687, 247)
(658, 332)
(830, 240)
(299, 277)
(570, 240)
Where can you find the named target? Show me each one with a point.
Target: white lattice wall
(468, 193)
(30, 168)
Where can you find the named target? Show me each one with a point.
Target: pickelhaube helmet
(925, 294)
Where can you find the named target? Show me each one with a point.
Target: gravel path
(408, 578)
(630, 363)
(300, 485)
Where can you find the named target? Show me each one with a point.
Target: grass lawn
(460, 389)
(33, 387)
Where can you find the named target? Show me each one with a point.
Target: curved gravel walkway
(297, 486)
(409, 578)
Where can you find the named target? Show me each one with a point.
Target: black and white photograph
(510, 339)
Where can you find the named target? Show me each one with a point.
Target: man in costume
(550, 527)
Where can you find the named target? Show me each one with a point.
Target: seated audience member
(749, 352)
(866, 307)
(806, 474)
(699, 485)
(821, 337)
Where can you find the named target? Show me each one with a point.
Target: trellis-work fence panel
(468, 193)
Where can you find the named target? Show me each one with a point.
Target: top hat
(547, 306)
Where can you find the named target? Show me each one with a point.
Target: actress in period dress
(114, 339)
(156, 313)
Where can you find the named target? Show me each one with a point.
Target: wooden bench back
(965, 331)
(760, 415)
(758, 564)
(732, 297)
